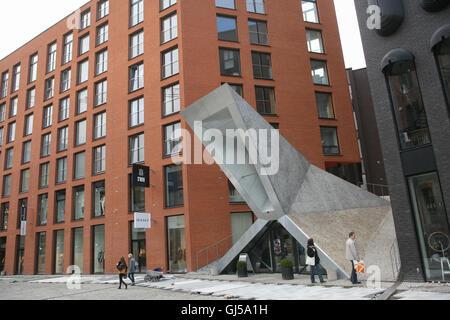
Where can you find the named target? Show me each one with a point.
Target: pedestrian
(313, 254)
(122, 267)
(352, 254)
(132, 270)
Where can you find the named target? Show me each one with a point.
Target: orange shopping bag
(359, 266)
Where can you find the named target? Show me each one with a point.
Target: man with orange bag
(352, 254)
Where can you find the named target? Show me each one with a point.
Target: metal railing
(380, 190)
(213, 252)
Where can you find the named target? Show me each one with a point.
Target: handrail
(395, 261)
(215, 245)
(373, 187)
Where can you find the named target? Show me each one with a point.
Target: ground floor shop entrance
(138, 248)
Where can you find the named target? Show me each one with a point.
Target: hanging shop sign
(140, 176)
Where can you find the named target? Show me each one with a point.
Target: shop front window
(41, 238)
(99, 249)
(138, 247)
(20, 254)
(77, 248)
(59, 252)
(176, 244)
(432, 224)
(407, 103)
(2, 253)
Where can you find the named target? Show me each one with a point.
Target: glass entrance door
(138, 247)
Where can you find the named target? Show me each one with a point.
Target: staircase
(205, 257)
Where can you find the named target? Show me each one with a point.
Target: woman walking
(314, 261)
(122, 267)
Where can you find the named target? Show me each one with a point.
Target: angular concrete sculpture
(276, 181)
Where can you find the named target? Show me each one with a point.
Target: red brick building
(77, 111)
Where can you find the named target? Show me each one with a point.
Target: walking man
(352, 254)
(132, 268)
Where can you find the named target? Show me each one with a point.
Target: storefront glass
(240, 223)
(176, 244)
(2, 253)
(432, 224)
(59, 251)
(138, 247)
(41, 237)
(78, 248)
(20, 254)
(99, 249)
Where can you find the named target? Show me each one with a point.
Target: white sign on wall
(23, 228)
(142, 220)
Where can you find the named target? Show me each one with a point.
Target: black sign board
(23, 213)
(140, 176)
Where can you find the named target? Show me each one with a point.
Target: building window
(136, 77)
(63, 138)
(138, 246)
(85, 20)
(4, 216)
(6, 186)
(314, 41)
(233, 194)
(136, 12)
(99, 154)
(102, 34)
(136, 44)
(227, 28)
(5, 79)
(137, 197)
(47, 116)
(164, 4)
(431, 222)
(65, 80)
(330, 142)
(80, 132)
(68, 48)
(44, 174)
(408, 107)
(101, 64)
(228, 4)
(79, 165)
(42, 209)
(265, 100)
(24, 180)
(83, 71)
(61, 170)
(442, 53)
(262, 65)
(137, 154)
(258, 32)
(170, 65)
(46, 143)
(99, 249)
(136, 112)
(240, 223)
(11, 132)
(26, 152)
(169, 28)
(78, 203)
(51, 57)
(172, 139)
(230, 64)
(28, 124)
(100, 125)
(40, 262)
(32, 75)
(174, 186)
(176, 240)
(15, 85)
(64, 109)
(256, 6)
(60, 199)
(310, 12)
(1, 136)
(13, 107)
(9, 156)
(77, 248)
(2, 112)
(31, 98)
(49, 88)
(325, 105)
(171, 99)
(59, 251)
(319, 72)
(83, 44)
(101, 92)
(82, 101)
(99, 199)
(102, 9)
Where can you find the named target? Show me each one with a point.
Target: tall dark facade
(408, 65)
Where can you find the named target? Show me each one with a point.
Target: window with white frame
(51, 57)
(63, 138)
(136, 112)
(169, 28)
(68, 48)
(164, 4)
(4, 84)
(32, 75)
(258, 32)
(80, 132)
(24, 180)
(31, 98)
(47, 116)
(102, 9)
(136, 12)
(100, 125)
(49, 88)
(2, 112)
(137, 148)
(66, 77)
(79, 165)
(137, 77)
(319, 72)
(256, 6)
(46, 144)
(1, 135)
(26, 152)
(13, 105)
(314, 41)
(85, 19)
(101, 92)
(310, 12)
(64, 109)
(82, 101)
(101, 62)
(83, 44)
(83, 71)
(11, 132)
(172, 139)
(228, 4)
(99, 154)
(171, 99)
(136, 44)
(102, 34)
(44, 175)
(28, 124)
(61, 170)
(9, 158)
(170, 64)
(6, 191)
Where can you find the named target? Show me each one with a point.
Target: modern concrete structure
(408, 63)
(285, 187)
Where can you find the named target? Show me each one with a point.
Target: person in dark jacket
(312, 253)
(122, 267)
(132, 270)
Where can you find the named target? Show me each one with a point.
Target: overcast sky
(38, 15)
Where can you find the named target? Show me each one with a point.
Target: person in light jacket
(312, 253)
(132, 269)
(352, 254)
